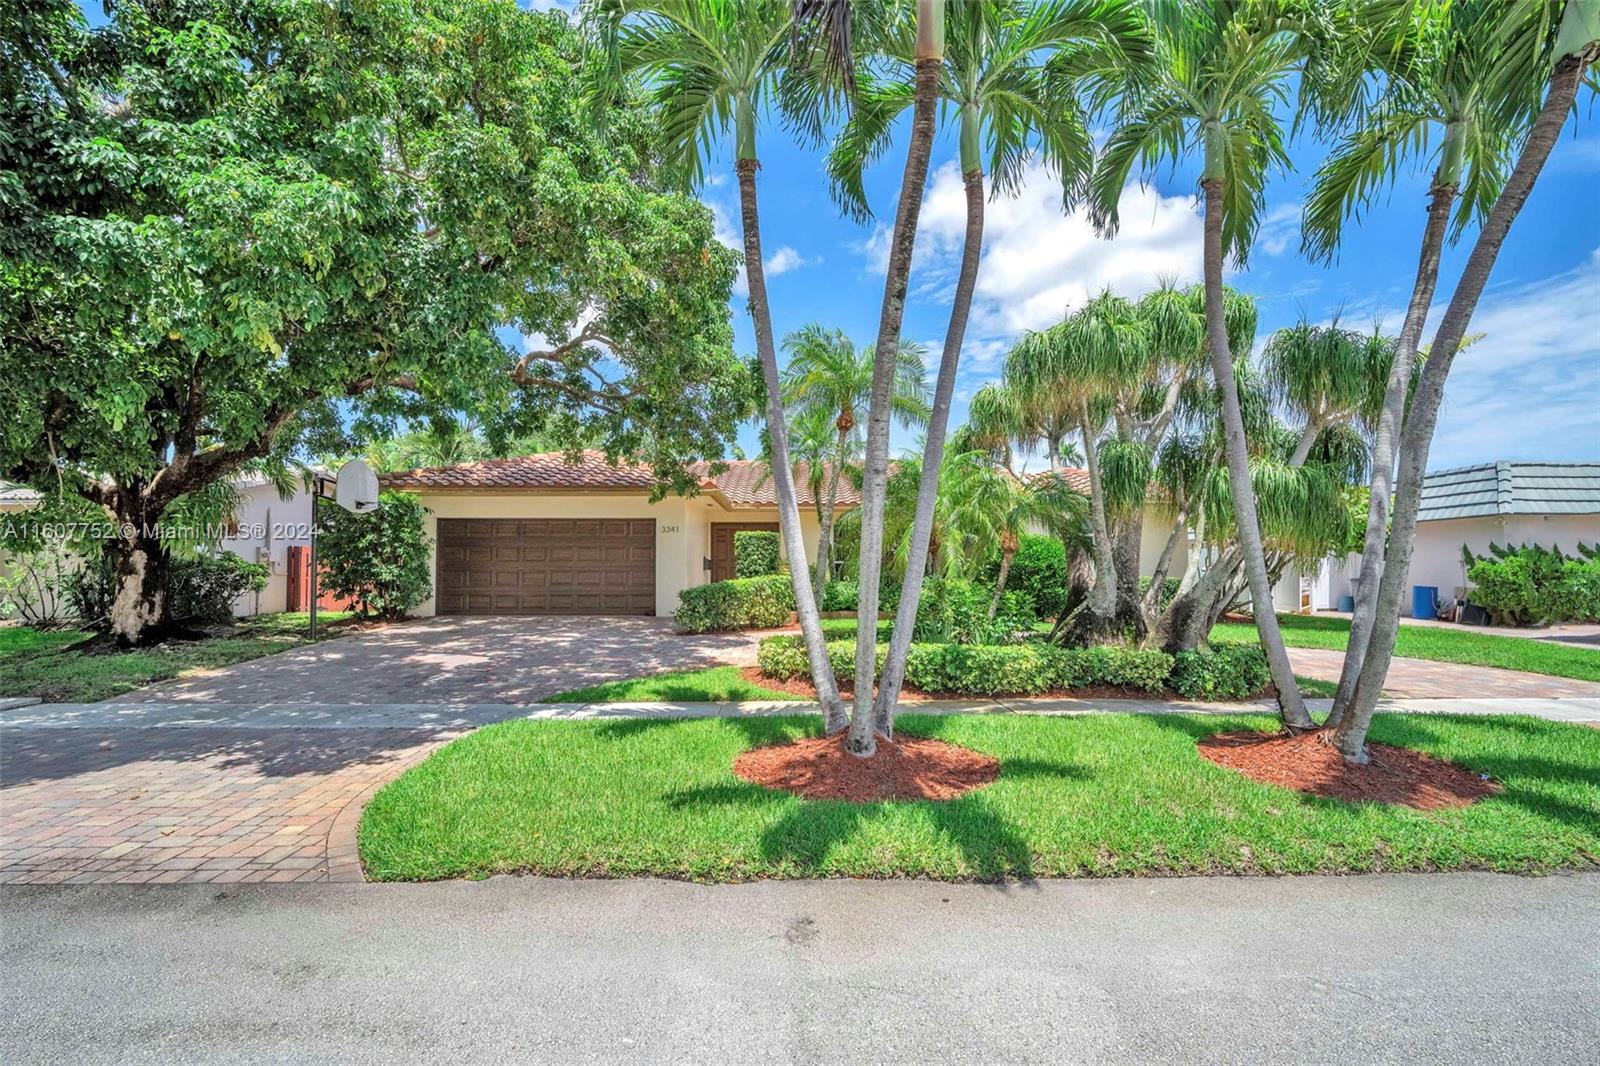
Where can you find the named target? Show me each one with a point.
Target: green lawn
(710, 685)
(1084, 796)
(1440, 645)
(34, 663)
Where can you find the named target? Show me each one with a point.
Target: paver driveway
(461, 660)
(230, 801)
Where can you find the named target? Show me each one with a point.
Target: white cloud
(1279, 228)
(1040, 262)
(1531, 388)
(784, 260)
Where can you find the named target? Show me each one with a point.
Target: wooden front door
(722, 545)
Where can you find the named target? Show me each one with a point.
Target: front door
(722, 567)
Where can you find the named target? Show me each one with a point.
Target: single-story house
(1506, 503)
(539, 535)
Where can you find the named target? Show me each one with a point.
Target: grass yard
(1439, 645)
(40, 663)
(1087, 796)
(714, 684)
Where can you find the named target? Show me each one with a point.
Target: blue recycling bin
(1347, 604)
(1424, 601)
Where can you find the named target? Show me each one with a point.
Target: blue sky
(1529, 390)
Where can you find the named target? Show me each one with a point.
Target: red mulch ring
(907, 768)
(1308, 762)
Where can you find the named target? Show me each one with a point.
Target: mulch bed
(1308, 762)
(799, 686)
(907, 768)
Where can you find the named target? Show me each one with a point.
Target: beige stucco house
(539, 535)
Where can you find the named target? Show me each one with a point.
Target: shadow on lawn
(1444, 737)
(804, 832)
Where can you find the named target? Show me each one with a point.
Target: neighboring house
(266, 527)
(1548, 504)
(538, 535)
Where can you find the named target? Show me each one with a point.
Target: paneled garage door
(546, 566)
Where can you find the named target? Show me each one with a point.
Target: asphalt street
(1392, 968)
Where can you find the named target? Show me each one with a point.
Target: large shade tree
(231, 229)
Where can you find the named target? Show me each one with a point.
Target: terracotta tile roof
(1077, 478)
(546, 470)
(748, 483)
(745, 482)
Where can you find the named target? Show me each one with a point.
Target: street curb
(11, 703)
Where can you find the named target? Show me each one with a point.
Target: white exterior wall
(1153, 540)
(268, 525)
(683, 528)
(1436, 555)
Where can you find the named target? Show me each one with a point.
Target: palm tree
(711, 64)
(829, 375)
(1440, 63)
(1546, 44)
(1008, 75)
(991, 507)
(1220, 71)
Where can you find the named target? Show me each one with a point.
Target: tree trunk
(1291, 707)
(794, 544)
(1095, 620)
(825, 526)
(1000, 581)
(876, 474)
(1417, 435)
(141, 610)
(1394, 405)
(894, 667)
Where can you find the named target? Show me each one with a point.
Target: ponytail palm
(710, 66)
(1219, 75)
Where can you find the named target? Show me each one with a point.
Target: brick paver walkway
(462, 660)
(1422, 679)
(165, 805)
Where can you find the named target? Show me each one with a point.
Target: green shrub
(755, 553)
(985, 669)
(91, 589)
(1169, 590)
(1114, 665)
(743, 603)
(1227, 672)
(1530, 585)
(1038, 571)
(845, 594)
(378, 559)
(204, 589)
(957, 612)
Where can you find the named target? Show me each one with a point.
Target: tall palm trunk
(930, 61)
(1394, 405)
(905, 619)
(833, 712)
(1291, 707)
(826, 514)
(1008, 552)
(1417, 436)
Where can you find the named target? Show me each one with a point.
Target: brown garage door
(546, 566)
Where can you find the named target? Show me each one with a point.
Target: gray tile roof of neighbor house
(1510, 488)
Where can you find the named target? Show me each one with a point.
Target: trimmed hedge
(986, 669)
(743, 603)
(755, 553)
(957, 612)
(843, 595)
(1227, 672)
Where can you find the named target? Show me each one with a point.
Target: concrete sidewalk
(443, 720)
(1378, 968)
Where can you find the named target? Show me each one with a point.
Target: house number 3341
(669, 529)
